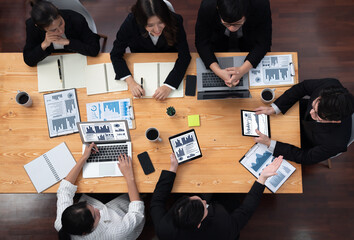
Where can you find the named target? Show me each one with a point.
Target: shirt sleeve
(276, 109)
(65, 197)
(133, 218)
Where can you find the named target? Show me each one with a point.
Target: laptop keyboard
(108, 153)
(211, 80)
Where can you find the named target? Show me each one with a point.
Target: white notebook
(154, 75)
(51, 167)
(100, 78)
(72, 69)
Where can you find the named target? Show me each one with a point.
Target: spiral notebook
(51, 167)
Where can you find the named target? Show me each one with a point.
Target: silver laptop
(112, 138)
(210, 86)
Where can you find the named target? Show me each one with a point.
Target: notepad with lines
(51, 167)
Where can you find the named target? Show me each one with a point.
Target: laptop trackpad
(107, 169)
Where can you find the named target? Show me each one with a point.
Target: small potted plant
(171, 111)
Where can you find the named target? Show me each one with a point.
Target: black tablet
(250, 121)
(185, 146)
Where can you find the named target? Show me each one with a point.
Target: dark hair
(335, 103)
(188, 213)
(232, 10)
(43, 13)
(144, 9)
(76, 220)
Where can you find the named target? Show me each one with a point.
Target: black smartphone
(191, 84)
(146, 163)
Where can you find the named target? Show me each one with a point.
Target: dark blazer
(132, 35)
(82, 39)
(257, 32)
(219, 224)
(323, 140)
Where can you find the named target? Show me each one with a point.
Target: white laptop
(112, 138)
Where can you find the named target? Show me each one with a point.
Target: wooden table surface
(24, 134)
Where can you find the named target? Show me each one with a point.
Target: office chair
(351, 140)
(77, 6)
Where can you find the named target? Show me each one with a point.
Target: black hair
(188, 213)
(335, 103)
(43, 13)
(232, 11)
(76, 220)
(144, 9)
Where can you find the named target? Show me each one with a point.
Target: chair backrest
(76, 6)
(351, 140)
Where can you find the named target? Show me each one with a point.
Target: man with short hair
(326, 120)
(191, 218)
(233, 26)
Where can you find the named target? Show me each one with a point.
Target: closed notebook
(72, 67)
(154, 76)
(100, 78)
(51, 167)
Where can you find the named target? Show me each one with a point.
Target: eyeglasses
(237, 24)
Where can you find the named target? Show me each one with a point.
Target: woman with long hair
(120, 218)
(52, 30)
(151, 27)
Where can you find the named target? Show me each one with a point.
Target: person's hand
(236, 75)
(62, 41)
(162, 93)
(264, 110)
(264, 139)
(92, 148)
(126, 166)
(136, 89)
(49, 38)
(174, 163)
(224, 75)
(270, 170)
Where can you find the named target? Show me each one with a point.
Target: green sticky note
(193, 121)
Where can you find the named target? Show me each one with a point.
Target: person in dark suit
(192, 218)
(326, 120)
(151, 27)
(51, 30)
(233, 26)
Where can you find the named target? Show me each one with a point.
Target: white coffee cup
(268, 95)
(23, 99)
(153, 135)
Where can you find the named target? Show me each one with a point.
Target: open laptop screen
(104, 131)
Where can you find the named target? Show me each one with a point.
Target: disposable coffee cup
(153, 135)
(23, 99)
(267, 95)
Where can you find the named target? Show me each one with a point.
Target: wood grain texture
(220, 138)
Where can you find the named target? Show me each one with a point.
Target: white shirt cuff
(173, 88)
(123, 78)
(272, 145)
(275, 107)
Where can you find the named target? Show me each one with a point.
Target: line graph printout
(120, 109)
(258, 157)
(273, 70)
(62, 112)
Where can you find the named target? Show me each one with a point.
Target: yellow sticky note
(193, 121)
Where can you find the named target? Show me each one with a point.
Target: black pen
(59, 68)
(142, 83)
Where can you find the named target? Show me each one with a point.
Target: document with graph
(120, 109)
(273, 70)
(258, 157)
(62, 112)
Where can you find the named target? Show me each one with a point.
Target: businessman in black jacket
(51, 30)
(233, 26)
(192, 218)
(326, 121)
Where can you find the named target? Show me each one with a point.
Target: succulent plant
(171, 111)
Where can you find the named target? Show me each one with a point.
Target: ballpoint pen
(142, 83)
(59, 68)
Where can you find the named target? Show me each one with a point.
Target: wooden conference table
(24, 134)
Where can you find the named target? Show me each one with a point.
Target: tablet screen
(251, 121)
(185, 146)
